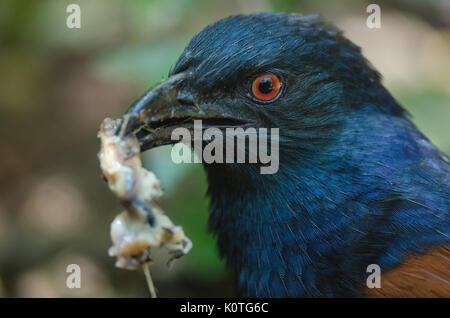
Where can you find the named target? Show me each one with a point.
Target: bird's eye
(266, 87)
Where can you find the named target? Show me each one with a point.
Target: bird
(357, 185)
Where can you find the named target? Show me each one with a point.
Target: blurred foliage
(133, 63)
(58, 84)
(430, 111)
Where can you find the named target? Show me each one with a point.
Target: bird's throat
(272, 238)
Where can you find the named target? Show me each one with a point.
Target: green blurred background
(57, 84)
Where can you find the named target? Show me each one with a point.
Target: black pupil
(266, 85)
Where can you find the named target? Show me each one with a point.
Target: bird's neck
(312, 229)
(279, 236)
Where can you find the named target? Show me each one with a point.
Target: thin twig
(151, 287)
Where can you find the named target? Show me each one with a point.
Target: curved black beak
(151, 103)
(163, 108)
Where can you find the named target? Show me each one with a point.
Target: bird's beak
(159, 111)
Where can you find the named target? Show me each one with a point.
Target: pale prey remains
(143, 225)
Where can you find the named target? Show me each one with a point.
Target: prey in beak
(167, 106)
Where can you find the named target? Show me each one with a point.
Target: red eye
(266, 87)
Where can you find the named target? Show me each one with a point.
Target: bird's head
(335, 205)
(335, 119)
(266, 70)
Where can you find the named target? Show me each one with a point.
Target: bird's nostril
(185, 97)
